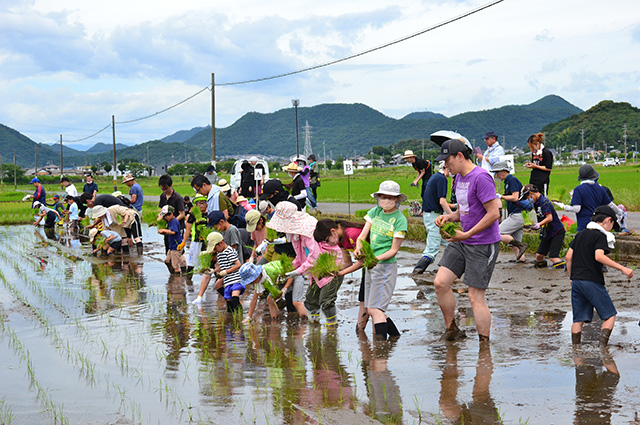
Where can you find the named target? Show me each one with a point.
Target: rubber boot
(229, 306)
(392, 329)
(604, 337)
(422, 265)
(221, 291)
(381, 331)
(125, 249)
(183, 270)
(139, 248)
(235, 304)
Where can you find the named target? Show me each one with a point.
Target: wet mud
(88, 340)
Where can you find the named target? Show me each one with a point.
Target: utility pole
(148, 162)
(1, 172)
(296, 103)
(422, 148)
(213, 119)
(324, 153)
(582, 135)
(61, 164)
(35, 170)
(15, 172)
(624, 137)
(113, 132)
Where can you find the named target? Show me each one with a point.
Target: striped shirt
(226, 260)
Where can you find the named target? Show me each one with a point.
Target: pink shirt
(325, 247)
(258, 236)
(303, 261)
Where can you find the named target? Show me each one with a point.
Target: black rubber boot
(139, 248)
(392, 330)
(604, 337)
(221, 291)
(381, 331)
(576, 339)
(125, 249)
(422, 265)
(235, 304)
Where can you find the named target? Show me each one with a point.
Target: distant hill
(345, 129)
(349, 128)
(183, 135)
(602, 124)
(426, 115)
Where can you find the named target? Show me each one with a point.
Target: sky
(68, 66)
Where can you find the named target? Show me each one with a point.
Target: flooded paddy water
(86, 340)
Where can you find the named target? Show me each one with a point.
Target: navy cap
(490, 134)
(451, 147)
(215, 217)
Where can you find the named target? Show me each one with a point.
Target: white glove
(280, 241)
(536, 226)
(262, 247)
(498, 196)
(291, 274)
(559, 205)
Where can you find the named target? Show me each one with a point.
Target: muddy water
(96, 341)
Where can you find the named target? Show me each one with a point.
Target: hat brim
(443, 156)
(300, 223)
(402, 196)
(251, 227)
(409, 156)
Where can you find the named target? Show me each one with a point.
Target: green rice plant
(150, 217)
(100, 242)
(204, 261)
(203, 231)
(162, 224)
(366, 254)
(527, 219)
(286, 263)
(271, 234)
(325, 265)
(448, 229)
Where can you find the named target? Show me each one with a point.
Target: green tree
(94, 168)
(107, 167)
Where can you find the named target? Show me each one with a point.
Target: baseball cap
(34, 180)
(213, 239)
(490, 134)
(451, 147)
(215, 217)
(166, 210)
(270, 187)
(252, 217)
(609, 212)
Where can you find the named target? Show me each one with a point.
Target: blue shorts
(585, 296)
(228, 290)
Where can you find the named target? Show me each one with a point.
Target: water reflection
(177, 327)
(481, 409)
(596, 380)
(108, 290)
(385, 403)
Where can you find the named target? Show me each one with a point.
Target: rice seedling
(271, 234)
(203, 231)
(448, 229)
(205, 262)
(367, 255)
(325, 265)
(286, 263)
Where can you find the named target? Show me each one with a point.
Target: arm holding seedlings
(453, 216)
(493, 213)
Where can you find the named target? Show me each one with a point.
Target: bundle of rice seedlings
(162, 223)
(203, 231)
(196, 213)
(100, 242)
(150, 217)
(204, 261)
(367, 255)
(84, 222)
(286, 263)
(527, 219)
(448, 229)
(325, 265)
(271, 234)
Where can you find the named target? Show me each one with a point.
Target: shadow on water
(117, 340)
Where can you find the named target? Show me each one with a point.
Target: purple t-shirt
(472, 191)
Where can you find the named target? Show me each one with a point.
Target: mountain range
(342, 128)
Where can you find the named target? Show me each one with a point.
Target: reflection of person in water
(482, 409)
(596, 381)
(176, 326)
(384, 394)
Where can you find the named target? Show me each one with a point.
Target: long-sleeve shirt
(325, 247)
(304, 257)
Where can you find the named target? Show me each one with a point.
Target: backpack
(415, 208)
(238, 217)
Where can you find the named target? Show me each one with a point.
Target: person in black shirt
(90, 187)
(585, 258)
(541, 163)
(422, 166)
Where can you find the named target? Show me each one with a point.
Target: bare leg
(447, 301)
(204, 283)
(302, 312)
(363, 317)
(481, 311)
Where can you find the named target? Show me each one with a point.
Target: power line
(166, 109)
(89, 137)
(346, 58)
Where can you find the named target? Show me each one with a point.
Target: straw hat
(409, 154)
(389, 187)
(287, 219)
(224, 186)
(292, 168)
(252, 217)
(127, 178)
(240, 199)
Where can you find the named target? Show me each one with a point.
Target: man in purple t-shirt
(474, 250)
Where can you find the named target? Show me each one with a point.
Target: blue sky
(67, 66)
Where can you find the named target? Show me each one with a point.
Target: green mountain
(602, 124)
(182, 135)
(104, 147)
(426, 115)
(349, 128)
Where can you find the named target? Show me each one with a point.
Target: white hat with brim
(98, 211)
(252, 217)
(409, 154)
(287, 219)
(213, 239)
(92, 235)
(292, 168)
(389, 187)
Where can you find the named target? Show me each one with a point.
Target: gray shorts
(379, 284)
(298, 289)
(475, 262)
(513, 225)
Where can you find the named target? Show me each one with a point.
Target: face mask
(387, 204)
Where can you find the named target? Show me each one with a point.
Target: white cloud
(67, 66)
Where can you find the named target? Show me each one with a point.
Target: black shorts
(552, 246)
(116, 245)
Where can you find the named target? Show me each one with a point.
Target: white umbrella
(439, 137)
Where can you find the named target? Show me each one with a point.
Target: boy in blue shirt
(175, 261)
(551, 228)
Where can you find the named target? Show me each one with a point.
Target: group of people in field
(264, 239)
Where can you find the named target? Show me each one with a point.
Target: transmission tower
(307, 139)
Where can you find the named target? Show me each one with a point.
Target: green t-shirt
(385, 227)
(225, 204)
